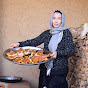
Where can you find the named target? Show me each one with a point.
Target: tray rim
(12, 77)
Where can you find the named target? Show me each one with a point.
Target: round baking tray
(26, 47)
(10, 79)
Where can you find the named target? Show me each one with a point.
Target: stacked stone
(78, 64)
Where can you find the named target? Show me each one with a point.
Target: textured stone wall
(78, 64)
(25, 19)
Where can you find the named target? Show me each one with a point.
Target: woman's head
(57, 19)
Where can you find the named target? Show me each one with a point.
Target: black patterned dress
(65, 49)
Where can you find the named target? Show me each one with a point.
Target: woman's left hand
(54, 55)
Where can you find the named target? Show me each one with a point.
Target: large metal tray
(26, 47)
(10, 79)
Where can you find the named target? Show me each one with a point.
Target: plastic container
(85, 26)
(85, 30)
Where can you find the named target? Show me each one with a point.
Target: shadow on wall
(1, 38)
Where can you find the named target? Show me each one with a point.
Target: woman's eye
(59, 18)
(53, 17)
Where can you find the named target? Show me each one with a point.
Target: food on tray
(27, 56)
(44, 57)
(11, 54)
(35, 59)
(33, 52)
(19, 59)
(11, 57)
(2, 87)
(39, 53)
(20, 53)
(26, 60)
(26, 51)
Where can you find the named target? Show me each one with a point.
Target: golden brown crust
(19, 59)
(10, 53)
(11, 57)
(19, 51)
(26, 51)
(35, 59)
(26, 60)
(34, 56)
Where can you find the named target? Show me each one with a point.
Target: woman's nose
(56, 20)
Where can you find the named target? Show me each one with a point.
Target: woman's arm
(34, 42)
(69, 45)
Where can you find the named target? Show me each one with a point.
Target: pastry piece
(19, 59)
(11, 54)
(40, 58)
(19, 50)
(20, 53)
(35, 59)
(44, 57)
(39, 53)
(11, 57)
(2, 87)
(26, 60)
(32, 52)
(30, 56)
(26, 51)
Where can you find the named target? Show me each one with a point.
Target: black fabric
(53, 81)
(64, 50)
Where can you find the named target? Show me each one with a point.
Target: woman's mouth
(56, 24)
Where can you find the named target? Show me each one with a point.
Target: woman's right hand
(14, 45)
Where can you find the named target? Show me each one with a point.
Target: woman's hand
(14, 45)
(54, 55)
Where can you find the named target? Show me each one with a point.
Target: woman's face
(57, 19)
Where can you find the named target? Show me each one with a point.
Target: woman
(58, 40)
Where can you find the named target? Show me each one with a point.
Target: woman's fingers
(54, 55)
(14, 45)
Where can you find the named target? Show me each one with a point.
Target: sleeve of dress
(34, 42)
(69, 49)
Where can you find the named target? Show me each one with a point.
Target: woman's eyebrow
(57, 17)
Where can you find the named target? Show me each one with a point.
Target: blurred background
(26, 19)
